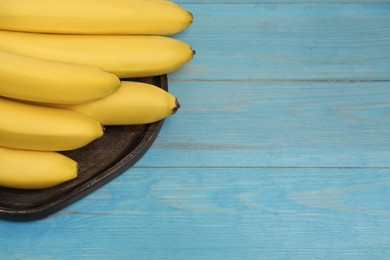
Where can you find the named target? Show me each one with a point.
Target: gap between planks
(282, 80)
(260, 167)
(283, 3)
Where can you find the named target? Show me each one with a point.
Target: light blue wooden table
(281, 149)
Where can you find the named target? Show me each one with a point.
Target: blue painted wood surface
(288, 42)
(280, 151)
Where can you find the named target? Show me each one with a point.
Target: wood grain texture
(282, 2)
(288, 42)
(218, 214)
(276, 124)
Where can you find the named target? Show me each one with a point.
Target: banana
(23, 169)
(39, 80)
(124, 56)
(31, 127)
(94, 16)
(134, 103)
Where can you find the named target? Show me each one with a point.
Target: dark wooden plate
(99, 162)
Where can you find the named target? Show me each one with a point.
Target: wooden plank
(282, 2)
(276, 124)
(288, 42)
(217, 214)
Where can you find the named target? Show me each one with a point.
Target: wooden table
(281, 149)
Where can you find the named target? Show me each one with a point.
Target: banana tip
(103, 127)
(191, 17)
(177, 106)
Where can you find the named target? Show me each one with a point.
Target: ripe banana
(125, 56)
(39, 80)
(30, 127)
(94, 16)
(134, 103)
(24, 169)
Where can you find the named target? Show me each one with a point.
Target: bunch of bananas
(64, 73)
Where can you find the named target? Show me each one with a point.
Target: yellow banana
(134, 103)
(26, 126)
(28, 78)
(24, 169)
(125, 56)
(94, 16)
